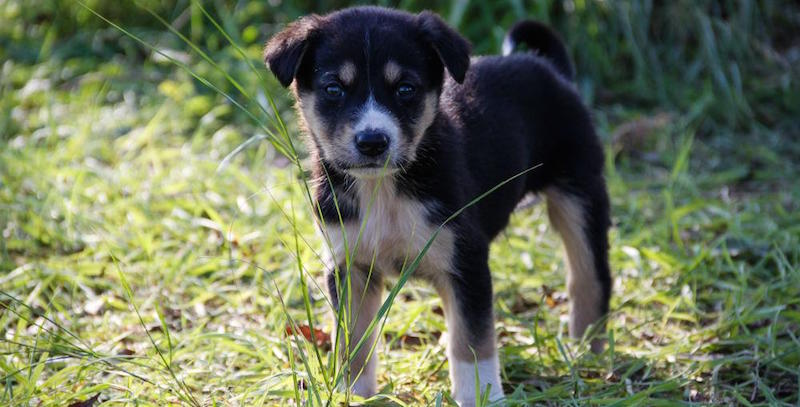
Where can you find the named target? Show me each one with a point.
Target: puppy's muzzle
(372, 143)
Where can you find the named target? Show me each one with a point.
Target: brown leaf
(522, 304)
(552, 297)
(633, 136)
(438, 310)
(551, 302)
(319, 337)
(86, 403)
(410, 340)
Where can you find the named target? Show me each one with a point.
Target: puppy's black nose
(371, 142)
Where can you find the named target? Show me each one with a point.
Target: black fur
(474, 145)
(452, 48)
(285, 51)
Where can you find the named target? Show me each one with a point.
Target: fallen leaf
(522, 304)
(410, 340)
(438, 310)
(86, 403)
(550, 301)
(319, 337)
(553, 298)
(634, 135)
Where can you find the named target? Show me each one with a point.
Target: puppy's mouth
(368, 171)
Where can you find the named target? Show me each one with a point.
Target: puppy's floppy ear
(451, 47)
(286, 49)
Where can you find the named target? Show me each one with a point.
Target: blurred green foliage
(647, 52)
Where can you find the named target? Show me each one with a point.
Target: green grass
(135, 267)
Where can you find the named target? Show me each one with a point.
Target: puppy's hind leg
(580, 214)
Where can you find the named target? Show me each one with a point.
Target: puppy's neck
(357, 193)
(375, 191)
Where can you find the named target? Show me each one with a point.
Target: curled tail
(542, 39)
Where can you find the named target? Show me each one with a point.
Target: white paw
(462, 376)
(365, 386)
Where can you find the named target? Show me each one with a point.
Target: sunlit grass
(135, 267)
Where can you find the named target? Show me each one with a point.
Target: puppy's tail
(539, 38)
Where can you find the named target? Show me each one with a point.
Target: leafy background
(136, 269)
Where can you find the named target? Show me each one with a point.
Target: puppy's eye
(334, 91)
(406, 90)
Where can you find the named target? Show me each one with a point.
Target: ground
(141, 264)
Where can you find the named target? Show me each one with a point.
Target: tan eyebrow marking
(391, 71)
(347, 73)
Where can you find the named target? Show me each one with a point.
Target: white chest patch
(391, 232)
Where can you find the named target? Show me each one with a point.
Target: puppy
(404, 132)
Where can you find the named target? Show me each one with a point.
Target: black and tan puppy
(404, 131)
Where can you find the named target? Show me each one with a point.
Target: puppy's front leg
(467, 299)
(360, 294)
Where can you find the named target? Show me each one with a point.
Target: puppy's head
(367, 81)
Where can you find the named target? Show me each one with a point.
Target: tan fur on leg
(568, 217)
(362, 304)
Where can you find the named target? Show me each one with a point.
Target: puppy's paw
(463, 379)
(365, 387)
